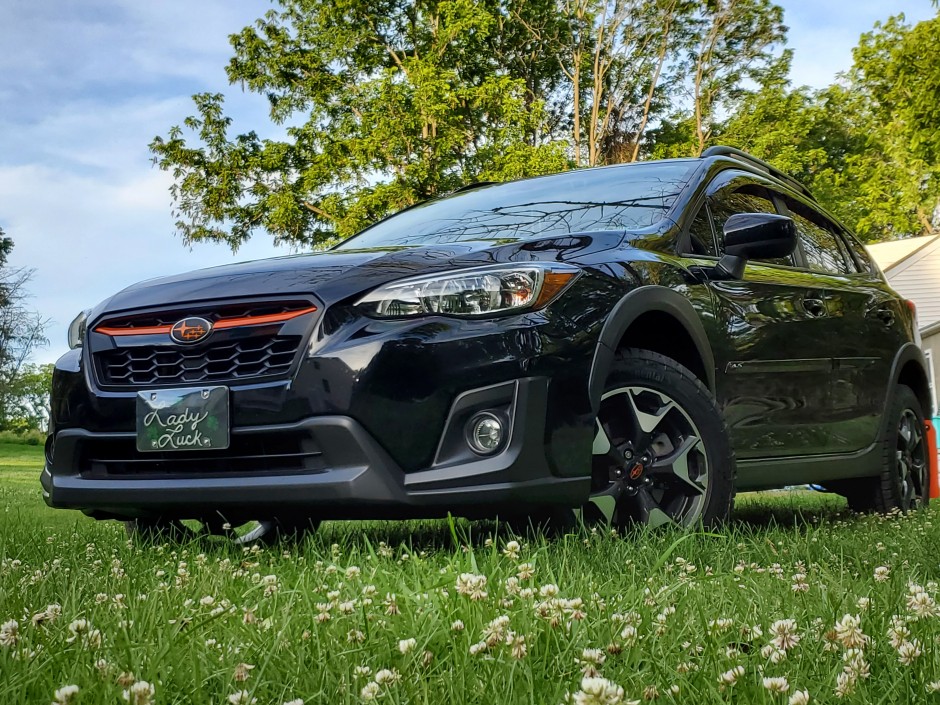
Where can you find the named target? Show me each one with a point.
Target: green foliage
(26, 405)
(387, 103)
(381, 105)
(22, 331)
(866, 146)
(28, 437)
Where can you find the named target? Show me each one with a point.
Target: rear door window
(822, 247)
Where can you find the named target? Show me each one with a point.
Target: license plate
(183, 419)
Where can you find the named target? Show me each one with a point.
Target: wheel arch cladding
(657, 319)
(910, 370)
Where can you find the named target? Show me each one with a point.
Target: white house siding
(931, 347)
(918, 278)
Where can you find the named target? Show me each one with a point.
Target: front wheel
(662, 454)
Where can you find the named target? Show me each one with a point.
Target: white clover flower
(140, 693)
(9, 633)
(242, 697)
(517, 647)
(362, 672)
(785, 634)
(933, 687)
(525, 571)
(591, 660)
(242, 672)
(845, 684)
(863, 603)
(598, 691)
(776, 685)
(406, 645)
(773, 654)
(909, 651)
(731, 676)
(882, 573)
(799, 697)
(921, 604)
(347, 607)
(207, 601)
(387, 676)
(65, 694)
(370, 691)
(799, 583)
(722, 624)
(629, 635)
(512, 549)
(296, 701)
(849, 632)
(495, 631)
(457, 625)
(478, 648)
(898, 631)
(549, 590)
(471, 585)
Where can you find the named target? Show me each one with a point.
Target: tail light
(915, 332)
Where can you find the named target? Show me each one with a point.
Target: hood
(336, 275)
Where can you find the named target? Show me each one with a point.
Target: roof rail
(471, 186)
(723, 151)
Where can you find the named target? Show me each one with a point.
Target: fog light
(485, 433)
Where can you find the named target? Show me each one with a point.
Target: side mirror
(755, 236)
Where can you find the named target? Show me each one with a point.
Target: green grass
(147, 605)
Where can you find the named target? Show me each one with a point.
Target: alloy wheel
(649, 460)
(911, 465)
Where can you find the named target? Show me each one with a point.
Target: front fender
(639, 301)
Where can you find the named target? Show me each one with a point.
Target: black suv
(637, 341)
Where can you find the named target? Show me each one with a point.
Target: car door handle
(814, 307)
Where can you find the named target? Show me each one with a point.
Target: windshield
(621, 198)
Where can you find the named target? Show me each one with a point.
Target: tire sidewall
(640, 368)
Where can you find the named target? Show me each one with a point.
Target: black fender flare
(639, 301)
(909, 352)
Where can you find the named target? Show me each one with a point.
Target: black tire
(652, 399)
(904, 480)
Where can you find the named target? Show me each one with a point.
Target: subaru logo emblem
(190, 330)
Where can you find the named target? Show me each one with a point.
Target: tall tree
(28, 407)
(22, 330)
(387, 102)
(737, 38)
(867, 146)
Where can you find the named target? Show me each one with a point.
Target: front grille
(212, 313)
(282, 452)
(221, 361)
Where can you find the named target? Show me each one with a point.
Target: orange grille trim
(218, 325)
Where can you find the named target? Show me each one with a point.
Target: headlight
(77, 330)
(471, 292)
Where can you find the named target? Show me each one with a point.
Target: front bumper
(344, 472)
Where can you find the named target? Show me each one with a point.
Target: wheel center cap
(636, 471)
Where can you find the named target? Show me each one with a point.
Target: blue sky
(86, 84)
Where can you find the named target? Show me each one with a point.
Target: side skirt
(770, 473)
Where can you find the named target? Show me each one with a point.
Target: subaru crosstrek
(640, 341)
